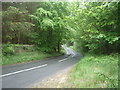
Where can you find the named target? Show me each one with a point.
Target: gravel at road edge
(58, 80)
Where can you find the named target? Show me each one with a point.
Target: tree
(96, 26)
(51, 27)
(14, 25)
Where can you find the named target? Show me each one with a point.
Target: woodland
(90, 28)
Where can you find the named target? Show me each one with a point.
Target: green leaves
(96, 26)
(15, 24)
(43, 13)
(93, 26)
(47, 23)
(34, 17)
(112, 39)
(51, 26)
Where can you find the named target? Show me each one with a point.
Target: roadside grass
(72, 47)
(26, 57)
(95, 72)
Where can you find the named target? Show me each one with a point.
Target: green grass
(72, 47)
(95, 72)
(25, 57)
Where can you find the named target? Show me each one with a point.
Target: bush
(8, 49)
(101, 71)
(23, 48)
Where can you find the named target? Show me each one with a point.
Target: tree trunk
(18, 37)
(58, 45)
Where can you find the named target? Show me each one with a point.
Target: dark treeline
(97, 27)
(39, 23)
(93, 27)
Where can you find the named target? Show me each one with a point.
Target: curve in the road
(25, 74)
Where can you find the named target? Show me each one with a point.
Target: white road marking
(62, 60)
(73, 54)
(67, 58)
(25, 70)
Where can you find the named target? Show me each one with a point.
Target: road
(26, 74)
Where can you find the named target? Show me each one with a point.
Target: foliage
(92, 26)
(51, 28)
(96, 26)
(8, 49)
(95, 71)
(12, 49)
(15, 25)
(26, 57)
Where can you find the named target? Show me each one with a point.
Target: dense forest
(91, 27)
(44, 23)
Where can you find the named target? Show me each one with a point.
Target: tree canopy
(92, 26)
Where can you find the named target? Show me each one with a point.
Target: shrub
(8, 49)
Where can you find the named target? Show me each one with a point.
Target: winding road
(26, 74)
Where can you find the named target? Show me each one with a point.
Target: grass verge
(95, 72)
(25, 57)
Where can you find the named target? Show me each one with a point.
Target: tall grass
(95, 72)
(25, 57)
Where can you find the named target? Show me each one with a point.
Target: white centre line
(25, 70)
(62, 60)
(66, 58)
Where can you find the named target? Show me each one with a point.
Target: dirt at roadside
(59, 80)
